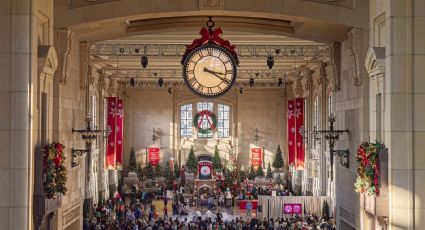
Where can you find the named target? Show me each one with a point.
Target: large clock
(209, 71)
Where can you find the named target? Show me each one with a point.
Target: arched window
(186, 120)
(223, 121)
(206, 121)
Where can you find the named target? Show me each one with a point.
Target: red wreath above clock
(211, 36)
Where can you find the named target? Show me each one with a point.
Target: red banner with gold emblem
(299, 124)
(291, 133)
(256, 157)
(153, 154)
(111, 123)
(119, 133)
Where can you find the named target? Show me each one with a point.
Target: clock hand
(215, 74)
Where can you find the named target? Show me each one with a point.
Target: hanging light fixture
(251, 82)
(169, 90)
(132, 82)
(241, 90)
(270, 61)
(144, 60)
(160, 82)
(280, 82)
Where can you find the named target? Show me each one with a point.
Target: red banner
(299, 124)
(256, 157)
(292, 209)
(111, 122)
(291, 133)
(204, 170)
(119, 133)
(153, 154)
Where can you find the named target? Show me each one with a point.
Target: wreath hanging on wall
(368, 169)
(207, 115)
(55, 174)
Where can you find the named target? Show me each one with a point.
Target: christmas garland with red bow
(54, 170)
(368, 168)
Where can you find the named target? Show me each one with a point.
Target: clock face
(209, 71)
(205, 171)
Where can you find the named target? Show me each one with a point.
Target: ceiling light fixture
(160, 82)
(251, 82)
(280, 82)
(144, 60)
(270, 61)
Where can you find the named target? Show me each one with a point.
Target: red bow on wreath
(214, 37)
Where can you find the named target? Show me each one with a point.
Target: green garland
(55, 174)
(368, 168)
(197, 126)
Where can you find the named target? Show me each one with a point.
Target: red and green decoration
(207, 115)
(54, 170)
(368, 169)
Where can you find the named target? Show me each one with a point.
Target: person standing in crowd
(248, 207)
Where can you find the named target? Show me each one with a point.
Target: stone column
(404, 128)
(18, 56)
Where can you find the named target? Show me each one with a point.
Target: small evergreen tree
(158, 171)
(278, 160)
(260, 171)
(140, 171)
(242, 176)
(325, 210)
(148, 171)
(192, 162)
(169, 175)
(176, 170)
(269, 171)
(252, 173)
(132, 165)
(216, 160)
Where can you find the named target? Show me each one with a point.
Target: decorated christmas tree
(269, 171)
(140, 172)
(192, 162)
(216, 160)
(158, 171)
(148, 171)
(260, 171)
(169, 175)
(252, 173)
(242, 176)
(278, 160)
(325, 210)
(132, 165)
(176, 170)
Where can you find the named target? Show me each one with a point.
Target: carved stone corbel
(356, 37)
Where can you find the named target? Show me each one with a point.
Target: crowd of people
(116, 215)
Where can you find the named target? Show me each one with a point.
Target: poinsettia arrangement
(55, 174)
(368, 168)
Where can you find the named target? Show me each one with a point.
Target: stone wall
(146, 109)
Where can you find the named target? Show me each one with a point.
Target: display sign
(292, 209)
(204, 170)
(153, 154)
(256, 157)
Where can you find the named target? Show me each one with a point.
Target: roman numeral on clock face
(191, 80)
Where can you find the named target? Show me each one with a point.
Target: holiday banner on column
(119, 134)
(291, 132)
(256, 157)
(153, 154)
(111, 122)
(299, 124)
